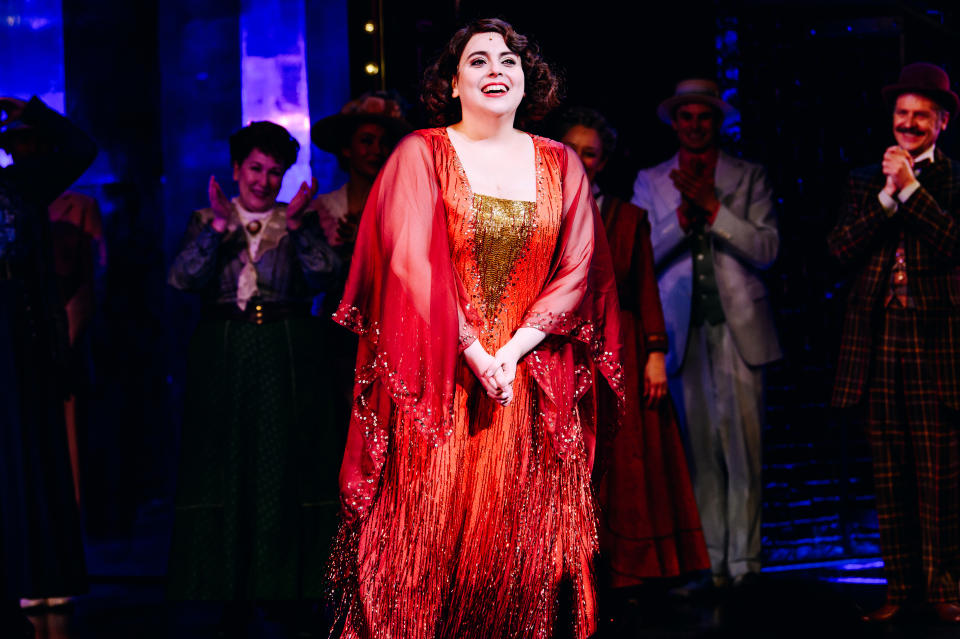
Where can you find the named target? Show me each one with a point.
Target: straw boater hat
(333, 133)
(700, 90)
(926, 79)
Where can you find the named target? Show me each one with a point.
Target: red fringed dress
(649, 523)
(464, 519)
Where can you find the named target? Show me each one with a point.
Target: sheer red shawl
(406, 302)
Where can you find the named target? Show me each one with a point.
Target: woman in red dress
(482, 290)
(649, 523)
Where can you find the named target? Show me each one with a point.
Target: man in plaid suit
(899, 233)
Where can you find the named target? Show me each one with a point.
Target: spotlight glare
(371, 68)
(369, 27)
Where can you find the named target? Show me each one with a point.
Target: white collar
(926, 155)
(246, 215)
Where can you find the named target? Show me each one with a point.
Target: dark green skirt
(257, 494)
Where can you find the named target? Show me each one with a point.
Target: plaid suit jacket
(866, 238)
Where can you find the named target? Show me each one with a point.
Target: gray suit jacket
(745, 242)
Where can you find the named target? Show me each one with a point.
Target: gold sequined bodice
(500, 235)
(502, 250)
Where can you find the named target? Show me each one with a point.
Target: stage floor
(815, 601)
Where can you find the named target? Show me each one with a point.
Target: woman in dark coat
(649, 523)
(257, 491)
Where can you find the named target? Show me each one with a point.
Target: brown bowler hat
(699, 90)
(926, 79)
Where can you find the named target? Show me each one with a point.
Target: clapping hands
(220, 205)
(898, 167)
(298, 204)
(696, 189)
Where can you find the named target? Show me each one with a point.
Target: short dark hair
(271, 139)
(588, 118)
(542, 90)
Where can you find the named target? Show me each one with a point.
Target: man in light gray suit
(714, 231)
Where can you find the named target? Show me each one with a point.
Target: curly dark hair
(271, 139)
(542, 90)
(588, 118)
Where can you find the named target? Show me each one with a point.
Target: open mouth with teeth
(494, 89)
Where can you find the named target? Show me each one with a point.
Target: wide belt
(257, 312)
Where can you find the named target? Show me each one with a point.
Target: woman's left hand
(523, 341)
(507, 358)
(655, 379)
(299, 203)
(489, 373)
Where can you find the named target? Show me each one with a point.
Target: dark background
(158, 85)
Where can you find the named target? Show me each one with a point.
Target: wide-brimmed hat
(700, 90)
(333, 132)
(926, 79)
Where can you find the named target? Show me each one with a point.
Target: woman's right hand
(220, 205)
(489, 373)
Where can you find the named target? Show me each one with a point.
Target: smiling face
(489, 79)
(917, 122)
(588, 145)
(696, 126)
(258, 177)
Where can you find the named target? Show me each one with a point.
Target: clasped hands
(494, 372)
(295, 209)
(897, 165)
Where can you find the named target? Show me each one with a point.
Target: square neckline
(537, 166)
